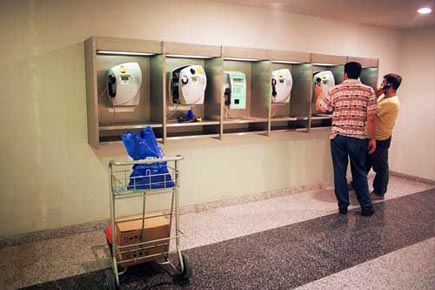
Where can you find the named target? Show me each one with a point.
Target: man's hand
(372, 145)
(379, 91)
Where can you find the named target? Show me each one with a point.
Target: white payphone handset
(235, 89)
(123, 84)
(325, 79)
(282, 83)
(187, 85)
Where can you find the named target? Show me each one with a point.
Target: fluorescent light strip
(287, 62)
(326, 64)
(242, 59)
(115, 52)
(188, 56)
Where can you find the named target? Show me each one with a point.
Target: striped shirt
(351, 103)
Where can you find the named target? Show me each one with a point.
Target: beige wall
(50, 177)
(413, 147)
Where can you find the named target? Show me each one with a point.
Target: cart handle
(146, 161)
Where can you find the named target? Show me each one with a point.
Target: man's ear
(345, 76)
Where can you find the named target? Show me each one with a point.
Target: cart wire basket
(144, 179)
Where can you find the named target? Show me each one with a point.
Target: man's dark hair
(394, 79)
(353, 69)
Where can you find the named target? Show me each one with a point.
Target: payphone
(235, 89)
(187, 85)
(123, 84)
(324, 79)
(282, 83)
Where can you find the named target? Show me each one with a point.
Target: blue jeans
(342, 149)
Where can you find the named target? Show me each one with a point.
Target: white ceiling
(395, 14)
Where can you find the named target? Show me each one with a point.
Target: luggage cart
(122, 186)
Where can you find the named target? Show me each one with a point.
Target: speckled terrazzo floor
(283, 242)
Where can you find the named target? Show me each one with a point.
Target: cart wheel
(183, 277)
(111, 281)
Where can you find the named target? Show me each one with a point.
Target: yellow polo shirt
(388, 109)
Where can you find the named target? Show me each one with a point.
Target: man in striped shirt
(353, 107)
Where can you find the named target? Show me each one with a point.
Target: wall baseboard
(251, 198)
(412, 177)
(101, 225)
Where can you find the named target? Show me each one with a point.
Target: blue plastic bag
(146, 176)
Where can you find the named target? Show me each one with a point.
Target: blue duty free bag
(146, 176)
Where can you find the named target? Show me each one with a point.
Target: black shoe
(367, 211)
(342, 210)
(376, 196)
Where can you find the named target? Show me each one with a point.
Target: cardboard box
(130, 233)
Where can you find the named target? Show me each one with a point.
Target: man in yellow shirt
(388, 109)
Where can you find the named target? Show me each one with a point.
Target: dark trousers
(379, 162)
(342, 149)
